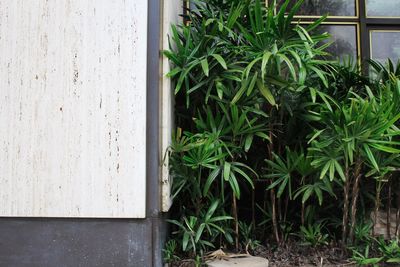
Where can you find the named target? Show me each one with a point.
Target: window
(385, 44)
(363, 29)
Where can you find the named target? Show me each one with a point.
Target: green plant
(364, 259)
(312, 235)
(282, 65)
(362, 232)
(247, 235)
(286, 229)
(354, 132)
(195, 231)
(198, 261)
(170, 251)
(390, 250)
(257, 97)
(317, 188)
(281, 171)
(229, 64)
(266, 216)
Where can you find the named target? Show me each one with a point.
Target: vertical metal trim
(364, 38)
(153, 187)
(152, 112)
(358, 40)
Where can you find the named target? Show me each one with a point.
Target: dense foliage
(274, 140)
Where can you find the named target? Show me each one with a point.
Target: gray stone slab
(77, 243)
(239, 262)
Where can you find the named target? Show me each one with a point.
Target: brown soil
(294, 254)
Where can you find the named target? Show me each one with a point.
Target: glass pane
(384, 45)
(323, 7)
(344, 38)
(383, 8)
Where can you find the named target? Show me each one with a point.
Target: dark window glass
(383, 8)
(323, 7)
(384, 45)
(344, 39)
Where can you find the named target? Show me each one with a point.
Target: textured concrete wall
(73, 108)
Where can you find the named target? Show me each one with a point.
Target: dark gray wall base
(68, 242)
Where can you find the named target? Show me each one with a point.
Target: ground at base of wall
(295, 254)
(241, 261)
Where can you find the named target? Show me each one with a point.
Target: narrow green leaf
(258, 15)
(321, 75)
(283, 185)
(220, 26)
(242, 173)
(275, 183)
(302, 75)
(263, 136)
(307, 195)
(212, 209)
(331, 170)
(293, 12)
(184, 76)
(265, 60)
(220, 60)
(248, 142)
(204, 66)
(252, 83)
(339, 170)
(240, 92)
(210, 180)
(185, 241)
(289, 65)
(220, 90)
(220, 218)
(315, 136)
(266, 92)
(199, 232)
(318, 192)
(227, 170)
(385, 148)
(173, 72)
(209, 21)
(324, 170)
(315, 24)
(250, 66)
(313, 94)
(305, 33)
(371, 157)
(234, 185)
(393, 260)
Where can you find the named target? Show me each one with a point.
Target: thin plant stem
(355, 193)
(235, 216)
(389, 209)
(272, 191)
(377, 204)
(253, 207)
(345, 221)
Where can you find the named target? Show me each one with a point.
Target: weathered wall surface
(73, 108)
(48, 242)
